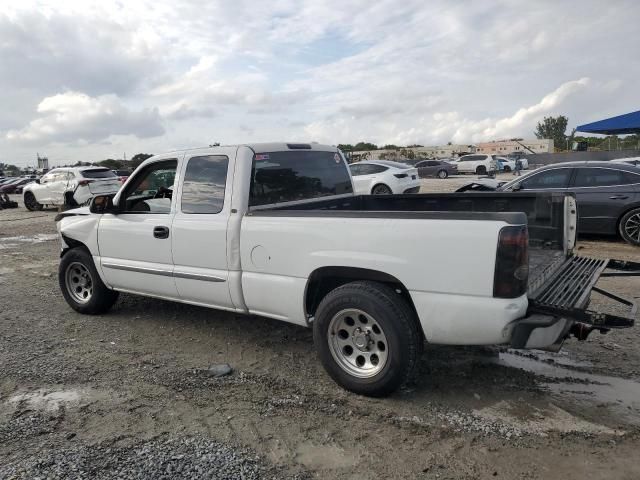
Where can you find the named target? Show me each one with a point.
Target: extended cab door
(199, 229)
(135, 243)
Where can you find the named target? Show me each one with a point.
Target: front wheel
(481, 170)
(443, 174)
(31, 203)
(630, 227)
(381, 190)
(367, 338)
(81, 285)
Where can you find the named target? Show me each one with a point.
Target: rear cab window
(297, 175)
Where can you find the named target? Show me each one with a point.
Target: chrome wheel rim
(79, 282)
(358, 343)
(442, 174)
(632, 227)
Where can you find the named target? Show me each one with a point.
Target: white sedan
(70, 186)
(380, 177)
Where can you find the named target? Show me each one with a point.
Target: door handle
(161, 232)
(618, 197)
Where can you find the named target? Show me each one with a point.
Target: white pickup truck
(275, 230)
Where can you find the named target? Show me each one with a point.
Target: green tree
(555, 128)
(111, 164)
(138, 158)
(365, 146)
(391, 146)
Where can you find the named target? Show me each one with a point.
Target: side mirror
(102, 204)
(516, 187)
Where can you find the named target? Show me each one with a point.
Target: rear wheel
(507, 168)
(367, 338)
(443, 174)
(630, 227)
(31, 203)
(381, 189)
(481, 170)
(81, 285)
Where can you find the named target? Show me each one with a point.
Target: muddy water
(617, 394)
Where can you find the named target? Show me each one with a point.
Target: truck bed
(544, 212)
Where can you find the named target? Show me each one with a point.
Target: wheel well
(622, 215)
(326, 279)
(71, 244)
(378, 185)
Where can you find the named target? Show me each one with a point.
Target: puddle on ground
(13, 242)
(323, 456)
(46, 400)
(620, 394)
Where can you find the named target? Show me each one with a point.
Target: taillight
(512, 262)
(82, 183)
(400, 175)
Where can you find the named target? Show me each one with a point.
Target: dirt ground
(125, 394)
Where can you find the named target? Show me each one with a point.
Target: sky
(83, 80)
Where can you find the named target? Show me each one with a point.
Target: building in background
(504, 147)
(43, 163)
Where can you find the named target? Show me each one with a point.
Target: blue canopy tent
(626, 124)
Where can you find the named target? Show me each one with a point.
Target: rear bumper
(412, 190)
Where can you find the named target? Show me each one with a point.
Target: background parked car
(607, 194)
(435, 168)
(70, 186)
(14, 185)
(382, 177)
(474, 163)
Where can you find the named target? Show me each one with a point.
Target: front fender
(81, 226)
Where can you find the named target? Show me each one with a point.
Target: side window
(598, 177)
(377, 169)
(152, 189)
(204, 183)
(432, 163)
(356, 170)
(557, 178)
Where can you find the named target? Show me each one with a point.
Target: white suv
(70, 186)
(474, 163)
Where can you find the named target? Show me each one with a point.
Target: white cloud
(77, 117)
(388, 71)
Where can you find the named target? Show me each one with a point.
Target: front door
(135, 243)
(199, 229)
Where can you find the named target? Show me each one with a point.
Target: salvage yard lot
(129, 393)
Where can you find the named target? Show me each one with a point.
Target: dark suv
(607, 194)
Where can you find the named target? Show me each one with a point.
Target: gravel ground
(128, 394)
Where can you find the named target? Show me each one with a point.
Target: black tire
(507, 168)
(399, 327)
(629, 227)
(31, 203)
(100, 299)
(381, 189)
(481, 170)
(443, 174)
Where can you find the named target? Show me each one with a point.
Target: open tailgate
(566, 295)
